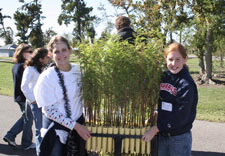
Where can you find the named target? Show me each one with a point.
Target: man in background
(124, 30)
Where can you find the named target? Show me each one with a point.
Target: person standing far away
(124, 29)
(58, 92)
(177, 105)
(25, 122)
(33, 68)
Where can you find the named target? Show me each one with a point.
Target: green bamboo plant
(121, 82)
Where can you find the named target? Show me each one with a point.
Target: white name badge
(167, 106)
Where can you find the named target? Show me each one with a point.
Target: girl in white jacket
(34, 66)
(58, 93)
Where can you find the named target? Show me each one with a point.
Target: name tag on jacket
(167, 106)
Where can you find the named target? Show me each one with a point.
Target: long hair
(18, 55)
(35, 59)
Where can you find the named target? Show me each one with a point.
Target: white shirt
(29, 80)
(49, 95)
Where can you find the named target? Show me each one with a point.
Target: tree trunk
(171, 37)
(221, 60)
(181, 36)
(201, 62)
(208, 56)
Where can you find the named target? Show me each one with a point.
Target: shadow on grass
(9, 150)
(200, 153)
(221, 82)
(194, 72)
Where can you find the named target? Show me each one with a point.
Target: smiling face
(61, 53)
(175, 62)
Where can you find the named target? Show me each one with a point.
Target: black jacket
(177, 103)
(127, 34)
(17, 72)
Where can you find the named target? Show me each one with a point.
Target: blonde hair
(55, 39)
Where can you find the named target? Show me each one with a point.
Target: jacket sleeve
(54, 114)
(27, 78)
(187, 101)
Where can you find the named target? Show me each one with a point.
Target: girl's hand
(150, 134)
(82, 131)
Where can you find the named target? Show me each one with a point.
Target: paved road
(208, 137)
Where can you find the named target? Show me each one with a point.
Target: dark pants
(24, 125)
(51, 144)
(59, 149)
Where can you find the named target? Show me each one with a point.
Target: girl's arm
(26, 79)
(53, 113)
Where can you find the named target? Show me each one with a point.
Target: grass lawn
(211, 104)
(6, 81)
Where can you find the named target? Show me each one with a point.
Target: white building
(7, 50)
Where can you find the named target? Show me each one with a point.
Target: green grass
(211, 104)
(6, 81)
(193, 65)
(6, 58)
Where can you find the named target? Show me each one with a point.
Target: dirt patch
(218, 80)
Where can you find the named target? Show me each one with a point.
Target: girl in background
(34, 67)
(25, 122)
(177, 105)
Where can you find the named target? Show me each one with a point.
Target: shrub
(120, 82)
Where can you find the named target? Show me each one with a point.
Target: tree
(6, 33)
(28, 20)
(105, 18)
(75, 11)
(176, 16)
(161, 18)
(48, 34)
(36, 34)
(91, 33)
(126, 5)
(210, 15)
(219, 48)
(198, 45)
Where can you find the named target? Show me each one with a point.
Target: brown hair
(34, 60)
(18, 55)
(176, 47)
(122, 21)
(55, 39)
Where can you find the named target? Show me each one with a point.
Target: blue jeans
(59, 149)
(37, 115)
(179, 145)
(23, 124)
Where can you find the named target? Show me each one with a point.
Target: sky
(51, 10)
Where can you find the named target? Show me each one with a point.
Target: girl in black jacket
(25, 122)
(177, 105)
